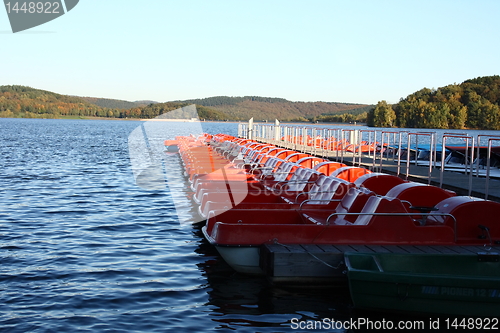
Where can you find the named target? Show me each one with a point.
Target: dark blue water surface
(82, 248)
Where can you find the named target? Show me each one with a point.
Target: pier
(305, 139)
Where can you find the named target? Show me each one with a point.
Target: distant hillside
(27, 102)
(154, 110)
(145, 102)
(268, 108)
(116, 103)
(355, 115)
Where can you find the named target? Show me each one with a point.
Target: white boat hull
(243, 259)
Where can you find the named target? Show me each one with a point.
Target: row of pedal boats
(250, 194)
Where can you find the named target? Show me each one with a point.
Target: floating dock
(325, 264)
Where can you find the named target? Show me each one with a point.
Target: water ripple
(84, 249)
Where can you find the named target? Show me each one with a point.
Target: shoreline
(237, 122)
(184, 120)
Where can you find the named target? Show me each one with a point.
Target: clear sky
(316, 50)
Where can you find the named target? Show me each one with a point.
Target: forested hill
(474, 104)
(116, 103)
(26, 102)
(269, 108)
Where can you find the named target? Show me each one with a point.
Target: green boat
(453, 284)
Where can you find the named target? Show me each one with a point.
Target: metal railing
(488, 159)
(468, 161)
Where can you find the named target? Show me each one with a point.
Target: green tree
(384, 115)
(457, 116)
(474, 105)
(489, 116)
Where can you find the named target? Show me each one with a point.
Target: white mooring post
(277, 130)
(250, 129)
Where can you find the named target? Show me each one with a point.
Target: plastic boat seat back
(246, 151)
(252, 156)
(331, 189)
(353, 202)
(328, 167)
(266, 148)
(370, 207)
(267, 168)
(259, 158)
(274, 151)
(311, 181)
(350, 173)
(298, 178)
(340, 190)
(285, 171)
(420, 195)
(297, 156)
(379, 183)
(320, 189)
(260, 146)
(285, 153)
(310, 161)
(264, 158)
(294, 177)
(298, 174)
(270, 164)
(279, 174)
(302, 180)
(380, 205)
(323, 180)
(472, 216)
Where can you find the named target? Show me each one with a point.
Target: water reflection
(246, 301)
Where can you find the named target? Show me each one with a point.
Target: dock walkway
(325, 264)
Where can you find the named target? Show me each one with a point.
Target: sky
(316, 50)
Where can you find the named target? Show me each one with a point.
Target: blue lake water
(83, 248)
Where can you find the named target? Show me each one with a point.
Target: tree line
(473, 104)
(227, 100)
(26, 102)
